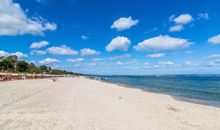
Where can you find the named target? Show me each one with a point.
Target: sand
(84, 104)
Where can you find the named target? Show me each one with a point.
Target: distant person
(54, 79)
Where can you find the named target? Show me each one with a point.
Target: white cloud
(132, 62)
(49, 61)
(20, 55)
(214, 56)
(162, 43)
(77, 65)
(176, 28)
(190, 63)
(84, 37)
(212, 60)
(157, 55)
(183, 19)
(89, 52)
(38, 52)
(212, 63)
(4, 54)
(146, 64)
(37, 45)
(119, 63)
(203, 16)
(124, 23)
(128, 62)
(120, 57)
(75, 60)
(214, 39)
(91, 64)
(166, 63)
(14, 21)
(31, 62)
(62, 50)
(97, 59)
(180, 22)
(119, 43)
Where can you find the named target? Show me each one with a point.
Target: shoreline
(85, 104)
(176, 97)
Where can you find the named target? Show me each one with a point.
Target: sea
(202, 89)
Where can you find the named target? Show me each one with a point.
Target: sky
(114, 37)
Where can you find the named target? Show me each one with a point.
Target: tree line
(13, 65)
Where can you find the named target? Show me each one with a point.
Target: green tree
(43, 69)
(32, 68)
(9, 64)
(22, 66)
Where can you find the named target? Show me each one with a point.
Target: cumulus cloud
(124, 23)
(176, 28)
(37, 45)
(214, 39)
(38, 52)
(157, 55)
(89, 52)
(4, 54)
(120, 43)
(20, 55)
(14, 21)
(162, 43)
(182, 19)
(49, 61)
(62, 50)
(75, 60)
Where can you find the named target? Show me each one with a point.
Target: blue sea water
(203, 89)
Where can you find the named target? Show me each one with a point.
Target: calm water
(204, 89)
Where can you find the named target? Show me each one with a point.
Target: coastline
(81, 103)
(176, 97)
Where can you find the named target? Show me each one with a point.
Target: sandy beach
(84, 104)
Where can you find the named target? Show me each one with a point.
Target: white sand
(83, 104)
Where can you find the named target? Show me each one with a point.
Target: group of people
(8, 77)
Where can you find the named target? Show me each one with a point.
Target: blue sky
(114, 36)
